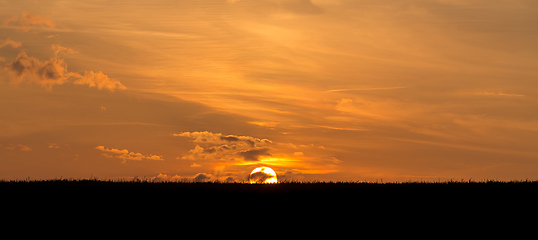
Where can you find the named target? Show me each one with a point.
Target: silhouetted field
(444, 198)
(289, 187)
(283, 189)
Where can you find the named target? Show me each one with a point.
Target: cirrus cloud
(28, 21)
(9, 42)
(20, 147)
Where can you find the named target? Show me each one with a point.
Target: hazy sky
(315, 89)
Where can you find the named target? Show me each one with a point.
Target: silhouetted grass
(90, 196)
(284, 187)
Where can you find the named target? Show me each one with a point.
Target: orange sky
(315, 89)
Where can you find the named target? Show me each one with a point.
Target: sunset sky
(315, 89)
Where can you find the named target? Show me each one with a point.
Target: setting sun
(262, 175)
(321, 90)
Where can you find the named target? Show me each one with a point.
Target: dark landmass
(324, 190)
(370, 199)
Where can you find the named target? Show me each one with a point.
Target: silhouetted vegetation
(285, 187)
(369, 197)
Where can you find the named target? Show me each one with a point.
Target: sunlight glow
(263, 175)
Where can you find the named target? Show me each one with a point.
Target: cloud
(20, 147)
(218, 175)
(27, 21)
(219, 138)
(230, 179)
(501, 94)
(54, 72)
(126, 155)
(195, 154)
(254, 154)
(202, 177)
(216, 146)
(47, 73)
(9, 42)
(162, 177)
(199, 177)
(53, 146)
(234, 150)
(326, 2)
(57, 48)
(364, 89)
(99, 80)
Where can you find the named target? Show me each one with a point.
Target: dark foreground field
(312, 191)
(324, 190)
(87, 197)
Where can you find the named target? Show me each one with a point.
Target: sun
(262, 175)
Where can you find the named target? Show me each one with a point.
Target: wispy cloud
(9, 42)
(363, 89)
(339, 128)
(500, 94)
(272, 76)
(99, 80)
(126, 155)
(265, 124)
(28, 21)
(57, 48)
(19, 147)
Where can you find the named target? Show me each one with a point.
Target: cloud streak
(9, 42)
(363, 89)
(272, 75)
(20, 147)
(219, 138)
(500, 94)
(28, 21)
(259, 177)
(126, 155)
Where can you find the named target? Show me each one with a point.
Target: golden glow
(279, 161)
(319, 89)
(263, 175)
